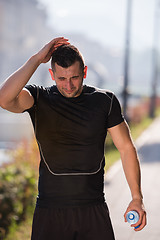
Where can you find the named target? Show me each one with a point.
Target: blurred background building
(22, 32)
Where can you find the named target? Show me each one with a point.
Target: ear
(85, 72)
(51, 73)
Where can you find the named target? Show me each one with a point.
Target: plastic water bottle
(132, 218)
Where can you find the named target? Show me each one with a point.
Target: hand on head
(45, 53)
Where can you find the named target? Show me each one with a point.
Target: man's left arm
(122, 139)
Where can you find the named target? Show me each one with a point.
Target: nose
(69, 84)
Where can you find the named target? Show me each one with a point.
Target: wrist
(35, 60)
(138, 198)
(137, 195)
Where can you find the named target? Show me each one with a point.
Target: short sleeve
(33, 89)
(115, 116)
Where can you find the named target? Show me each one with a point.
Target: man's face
(69, 80)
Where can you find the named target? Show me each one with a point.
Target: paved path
(118, 194)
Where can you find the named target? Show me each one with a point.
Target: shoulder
(48, 90)
(90, 90)
(41, 90)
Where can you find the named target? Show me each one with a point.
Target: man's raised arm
(12, 95)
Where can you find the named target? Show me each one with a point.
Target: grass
(137, 129)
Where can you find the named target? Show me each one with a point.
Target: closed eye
(75, 77)
(61, 78)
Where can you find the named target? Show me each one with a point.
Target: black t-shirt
(71, 133)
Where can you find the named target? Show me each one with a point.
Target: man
(71, 121)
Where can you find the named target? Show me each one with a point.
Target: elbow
(3, 103)
(5, 99)
(128, 148)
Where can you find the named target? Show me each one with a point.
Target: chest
(75, 121)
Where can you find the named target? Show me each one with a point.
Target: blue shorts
(72, 223)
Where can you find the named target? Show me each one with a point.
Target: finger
(144, 221)
(55, 41)
(125, 214)
(142, 224)
(62, 39)
(61, 42)
(58, 45)
(137, 225)
(125, 219)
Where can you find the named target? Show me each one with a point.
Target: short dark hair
(67, 55)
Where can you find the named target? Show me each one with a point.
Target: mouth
(69, 91)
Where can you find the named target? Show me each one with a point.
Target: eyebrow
(75, 76)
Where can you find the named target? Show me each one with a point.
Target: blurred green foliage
(18, 187)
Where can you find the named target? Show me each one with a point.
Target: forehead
(73, 69)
